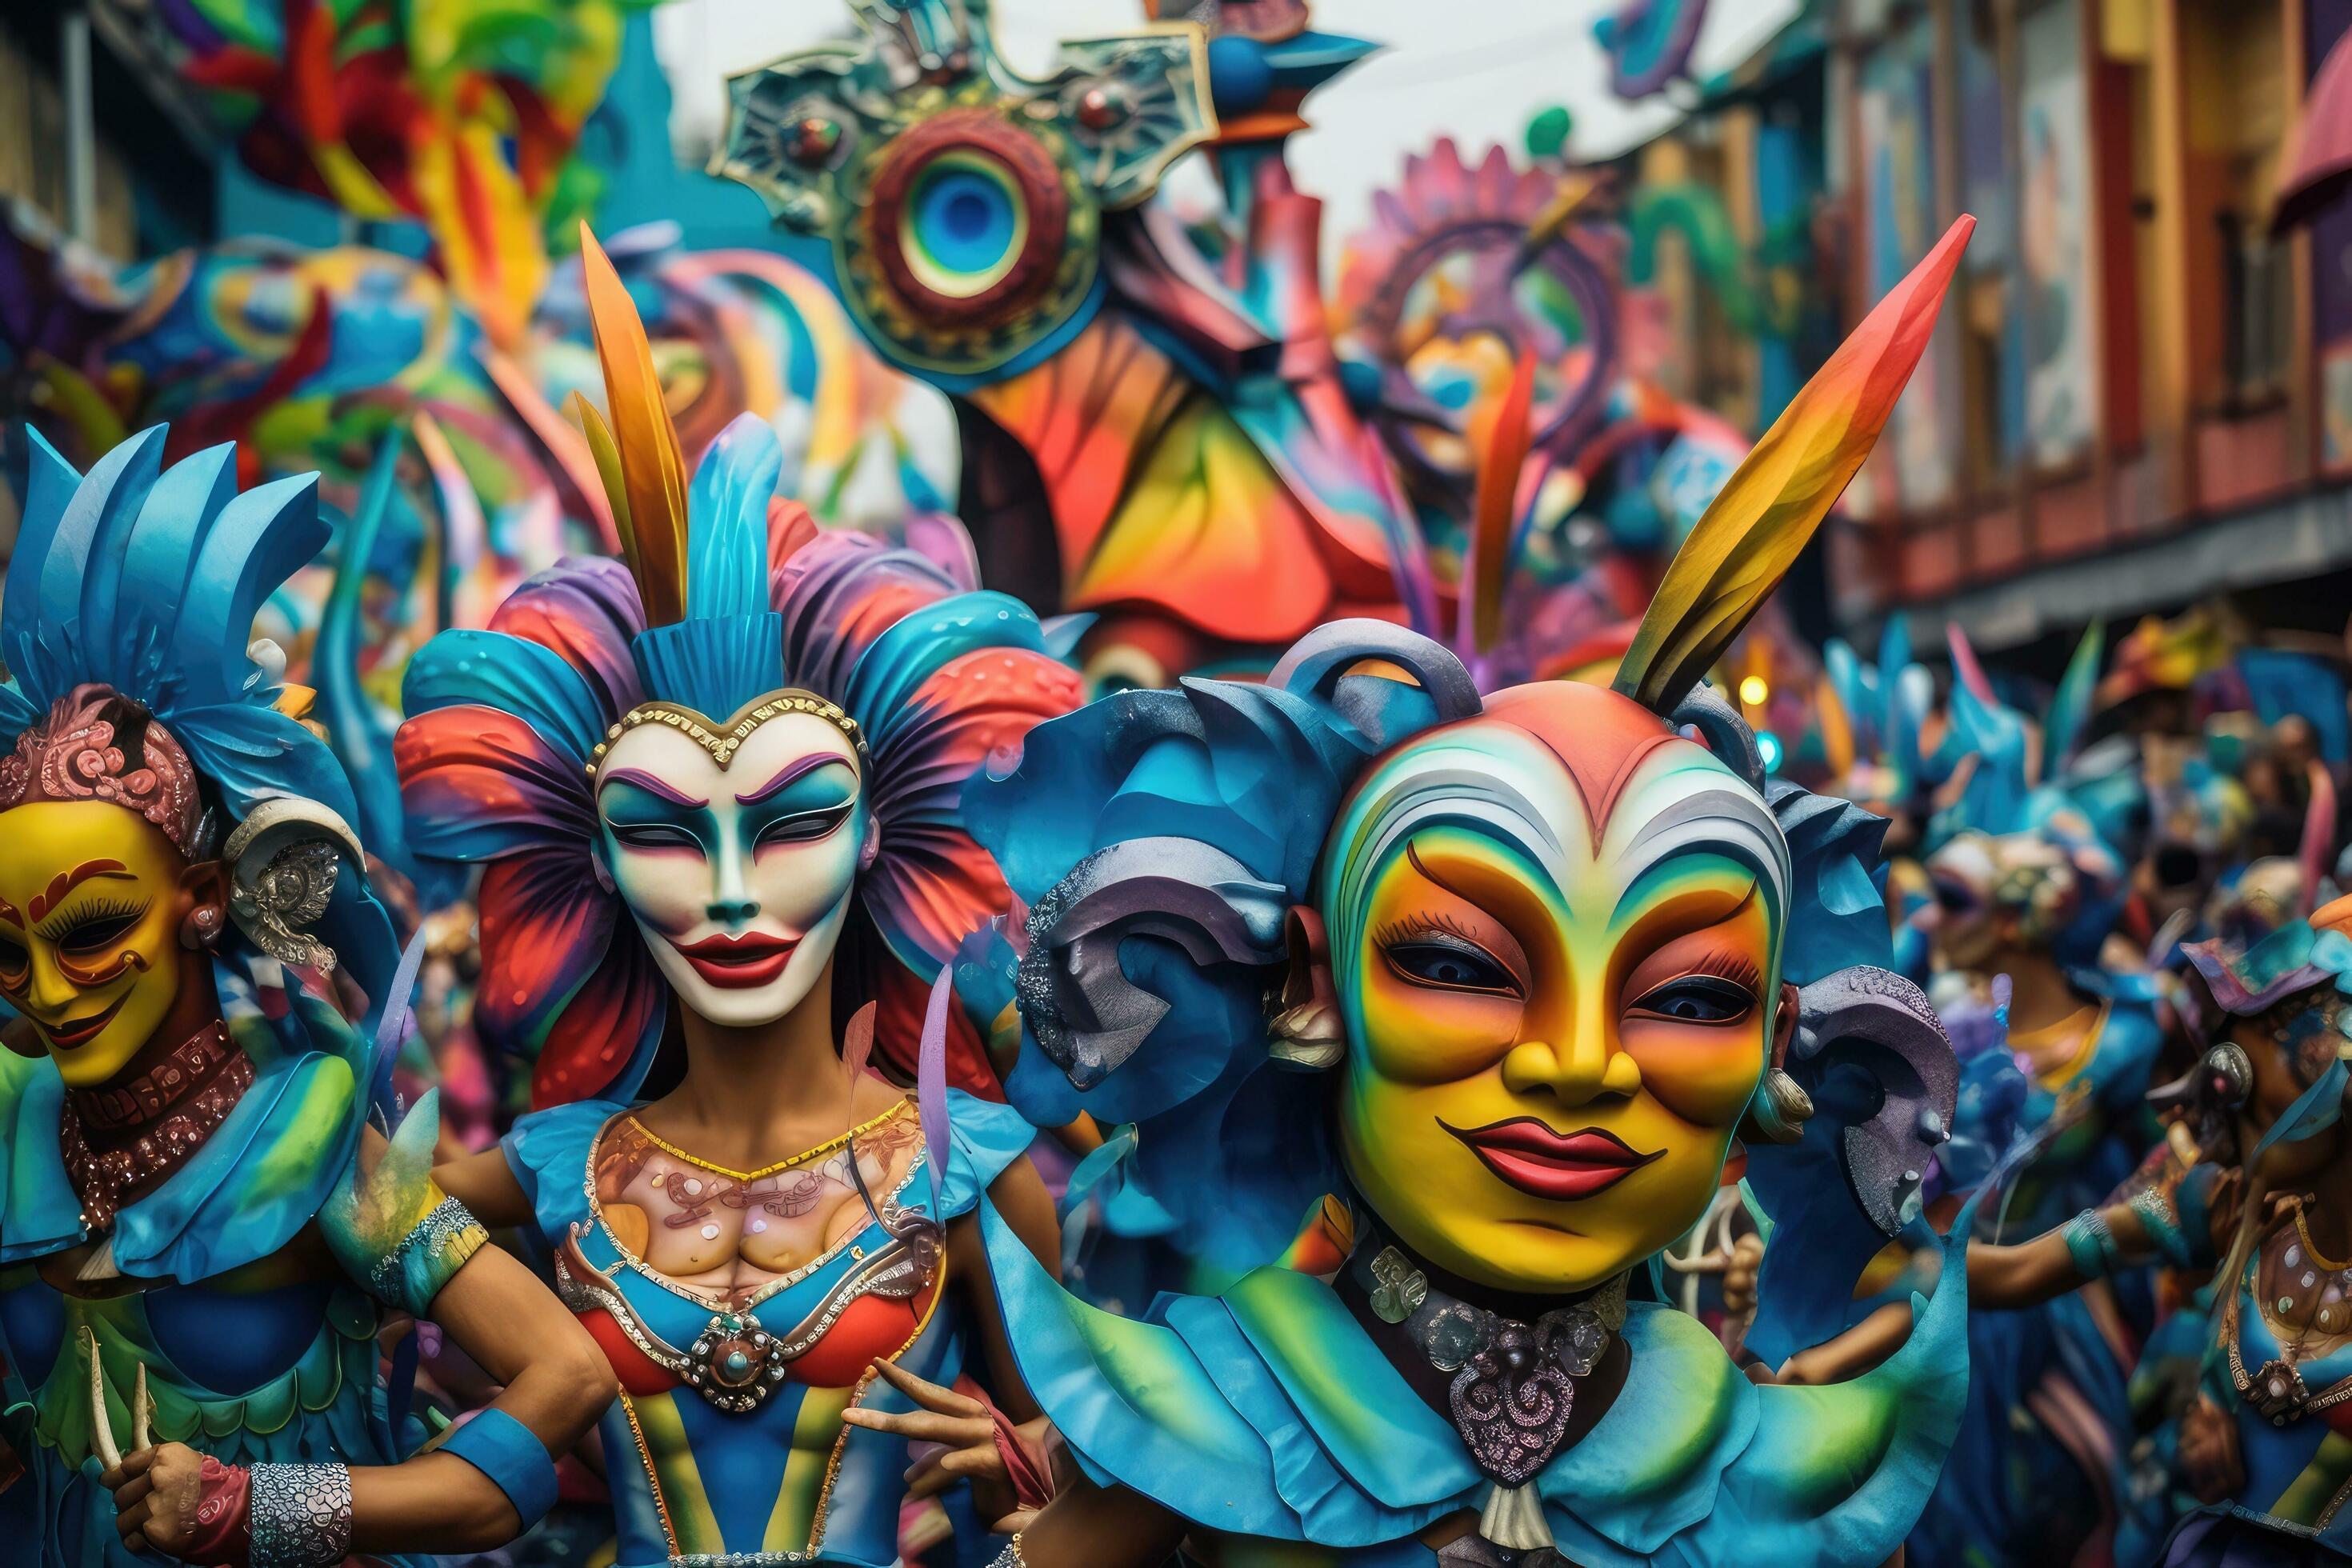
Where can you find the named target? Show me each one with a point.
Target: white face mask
(740, 878)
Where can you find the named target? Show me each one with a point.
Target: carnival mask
(97, 912)
(1555, 936)
(737, 864)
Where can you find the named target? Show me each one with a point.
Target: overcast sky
(1476, 68)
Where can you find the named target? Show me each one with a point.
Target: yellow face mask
(92, 902)
(1558, 1002)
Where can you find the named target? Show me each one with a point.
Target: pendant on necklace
(734, 1365)
(2278, 1391)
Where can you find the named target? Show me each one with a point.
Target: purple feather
(931, 1080)
(392, 1029)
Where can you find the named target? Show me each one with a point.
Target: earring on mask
(1781, 1108)
(1306, 1032)
(204, 927)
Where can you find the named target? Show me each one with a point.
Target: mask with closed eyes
(738, 875)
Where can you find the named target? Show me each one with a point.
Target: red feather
(1495, 509)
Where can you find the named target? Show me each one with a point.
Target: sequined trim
(840, 1439)
(653, 1473)
(428, 1257)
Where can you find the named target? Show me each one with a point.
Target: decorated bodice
(2288, 1340)
(742, 1312)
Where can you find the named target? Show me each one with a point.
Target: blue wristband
(2090, 1244)
(504, 1449)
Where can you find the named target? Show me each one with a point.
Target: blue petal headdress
(146, 580)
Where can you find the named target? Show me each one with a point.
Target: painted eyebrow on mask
(1638, 896)
(49, 898)
(637, 778)
(1412, 858)
(792, 772)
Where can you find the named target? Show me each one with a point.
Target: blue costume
(174, 1259)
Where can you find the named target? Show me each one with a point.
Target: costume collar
(246, 1192)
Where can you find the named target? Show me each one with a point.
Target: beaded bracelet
(2156, 1218)
(302, 1515)
(412, 1274)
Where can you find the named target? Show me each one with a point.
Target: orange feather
(1496, 508)
(1749, 536)
(653, 470)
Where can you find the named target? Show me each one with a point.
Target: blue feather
(510, 675)
(259, 540)
(147, 576)
(107, 499)
(49, 491)
(1855, 688)
(888, 673)
(356, 730)
(2070, 705)
(726, 531)
(83, 565)
(716, 667)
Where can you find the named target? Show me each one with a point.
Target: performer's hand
(155, 1492)
(964, 1431)
(1740, 1268)
(2209, 1459)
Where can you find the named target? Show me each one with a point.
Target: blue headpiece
(144, 581)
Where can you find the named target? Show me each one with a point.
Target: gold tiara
(722, 745)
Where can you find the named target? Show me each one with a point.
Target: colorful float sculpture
(1156, 425)
(462, 118)
(1166, 422)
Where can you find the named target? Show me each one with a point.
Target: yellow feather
(1768, 509)
(652, 468)
(607, 458)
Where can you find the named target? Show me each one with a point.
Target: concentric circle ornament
(733, 1365)
(964, 199)
(967, 218)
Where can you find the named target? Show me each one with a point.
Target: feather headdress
(725, 596)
